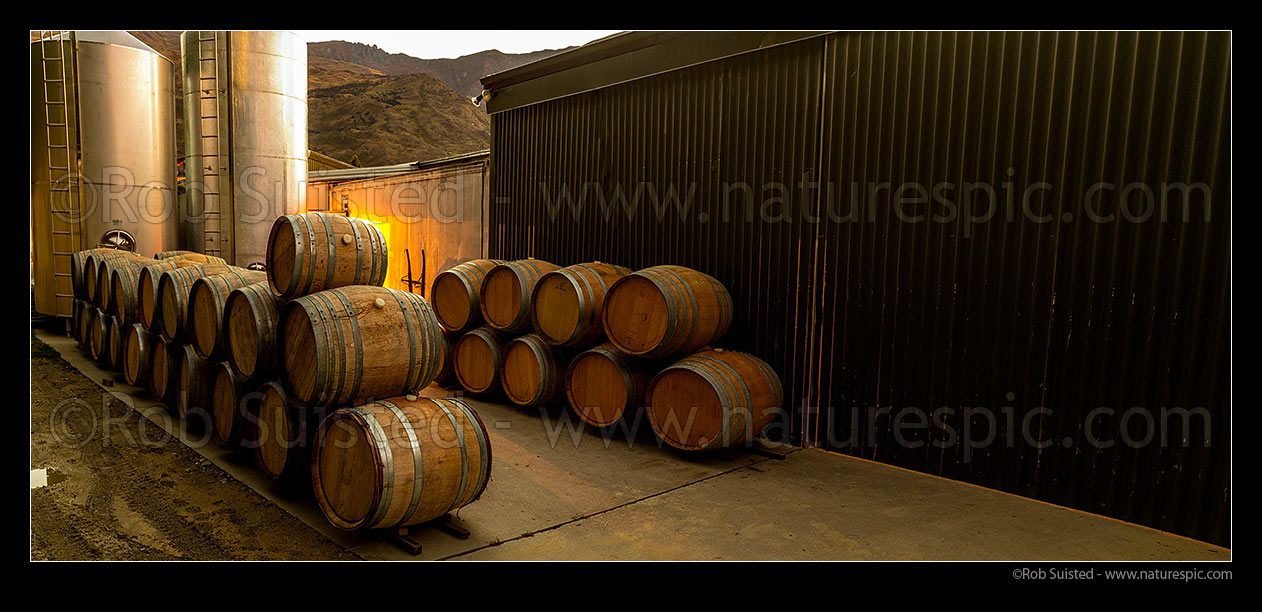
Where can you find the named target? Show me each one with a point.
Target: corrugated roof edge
(587, 53)
(352, 174)
(620, 58)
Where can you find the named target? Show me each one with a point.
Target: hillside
(394, 119)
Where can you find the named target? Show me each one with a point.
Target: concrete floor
(557, 492)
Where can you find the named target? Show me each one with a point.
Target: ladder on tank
(63, 180)
(211, 102)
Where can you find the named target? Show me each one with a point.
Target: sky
(437, 44)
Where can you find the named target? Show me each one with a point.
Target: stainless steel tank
(245, 118)
(102, 154)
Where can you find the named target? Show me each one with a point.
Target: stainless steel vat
(102, 154)
(245, 117)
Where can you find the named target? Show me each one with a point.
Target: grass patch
(39, 349)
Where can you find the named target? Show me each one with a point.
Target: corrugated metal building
(1000, 257)
(432, 212)
(318, 161)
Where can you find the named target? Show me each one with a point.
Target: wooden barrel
(341, 346)
(476, 358)
(316, 251)
(77, 325)
(105, 278)
(119, 287)
(114, 346)
(447, 374)
(78, 267)
(92, 270)
(284, 434)
(713, 399)
(665, 311)
(605, 386)
(399, 462)
(192, 256)
(86, 320)
(230, 402)
(173, 290)
(164, 370)
(76, 310)
(533, 371)
(137, 351)
(125, 291)
(566, 305)
(146, 292)
(77, 272)
(98, 333)
(455, 292)
(190, 402)
(506, 293)
(206, 302)
(125, 281)
(251, 315)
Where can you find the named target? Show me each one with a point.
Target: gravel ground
(123, 489)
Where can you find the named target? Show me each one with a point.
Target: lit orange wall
(440, 211)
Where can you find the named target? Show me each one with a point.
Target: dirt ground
(123, 489)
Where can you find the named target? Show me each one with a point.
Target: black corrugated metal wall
(1070, 313)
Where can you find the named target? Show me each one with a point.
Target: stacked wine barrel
(261, 358)
(338, 342)
(616, 345)
(320, 334)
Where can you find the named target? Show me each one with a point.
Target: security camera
(477, 100)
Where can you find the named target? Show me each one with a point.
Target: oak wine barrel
(206, 302)
(251, 315)
(506, 293)
(665, 311)
(312, 252)
(174, 287)
(114, 346)
(566, 305)
(164, 370)
(476, 357)
(123, 288)
(125, 279)
(146, 292)
(105, 278)
(190, 402)
(137, 351)
(78, 262)
(85, 328)
(713, 399)
(77, 325)
(189, 256)
(455, 292)
(446, 377)
(98, 333)
(92, 269)
(341, 346)
(284, 434)
(533, 371)
(399, 462)
(230, 403)
(605, 386)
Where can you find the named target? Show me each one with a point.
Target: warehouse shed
(1019, 239)
(431, 212)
